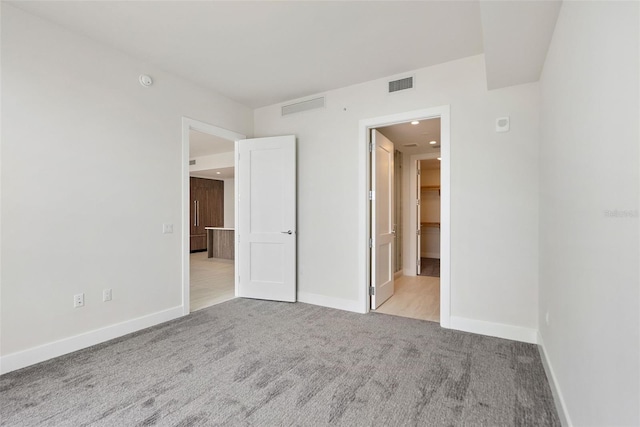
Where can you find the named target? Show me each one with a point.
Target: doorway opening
(209, 217)
(407, 211)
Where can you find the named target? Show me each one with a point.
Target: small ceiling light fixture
(145, 80)
(439, 158)
(433, 142)
(415, 122)
(218, 173)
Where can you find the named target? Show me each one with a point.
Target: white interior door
(382, 221)
(418, 219)
(266, 228)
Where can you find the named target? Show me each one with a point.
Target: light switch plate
(167, 228)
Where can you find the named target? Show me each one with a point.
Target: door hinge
(418, 232)
(371, 147)
(370, 243)
(417, 202)
(372, 290)
(418, 171)
(418, 263)
(371, 195)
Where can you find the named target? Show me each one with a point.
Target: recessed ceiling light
(218, 173)
(433, 142)
(415, 122)
(439, 158)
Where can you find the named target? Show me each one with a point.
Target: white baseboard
(499, 330)
(565, 420)
(324, 301)
(22, 359)
(430, 255)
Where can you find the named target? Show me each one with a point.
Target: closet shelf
(430, 188)
(430, 224)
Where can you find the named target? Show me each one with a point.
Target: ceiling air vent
(410, 145)
(298, 107)
(401, 84)
(192, 162)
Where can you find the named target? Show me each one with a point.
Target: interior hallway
(211, 280)
(417, 297)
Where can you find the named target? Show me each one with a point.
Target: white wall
(589, 280)
(494, 253)
(91, 169)
(229, 203)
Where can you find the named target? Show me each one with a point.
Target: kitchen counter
(221, 242)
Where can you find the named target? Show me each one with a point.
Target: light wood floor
(211, 280)
(417, 297)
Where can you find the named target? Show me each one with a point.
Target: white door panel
(267, 218)
(382, 219)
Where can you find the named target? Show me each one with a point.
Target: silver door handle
(198, 215)
(195, 213)
(287, 232)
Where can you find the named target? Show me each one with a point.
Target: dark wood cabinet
(207, 209)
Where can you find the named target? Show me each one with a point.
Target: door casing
(364, 208)
(189, 124)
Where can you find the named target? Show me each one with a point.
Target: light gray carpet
(247, 362)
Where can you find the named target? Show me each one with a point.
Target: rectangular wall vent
(401, 84)
(192, 162)
(310, 104)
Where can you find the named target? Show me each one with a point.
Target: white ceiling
(222, 173)
(265, 52)
(516, 39)
(422, 134)
(203, 144)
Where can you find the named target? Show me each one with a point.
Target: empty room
(207, 219)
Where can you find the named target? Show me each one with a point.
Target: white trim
(189, 124)
(412, 257)
(563, 413)
(21, 359)
(445, 199)
(236, 220)
(499, 330)
(324, 301)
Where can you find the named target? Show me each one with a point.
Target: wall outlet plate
(106, 295)
(78, 300)
(167, 228)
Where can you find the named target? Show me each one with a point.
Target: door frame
(364, 231)
(413, 256)
(189, 124)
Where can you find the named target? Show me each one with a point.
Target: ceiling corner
(516, 36)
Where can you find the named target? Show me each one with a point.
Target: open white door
(418, 220)
(266, 226)
(382, 221)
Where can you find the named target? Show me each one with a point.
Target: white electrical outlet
(78, 300)
(546, 317)
(167, 228)
(106, 295)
